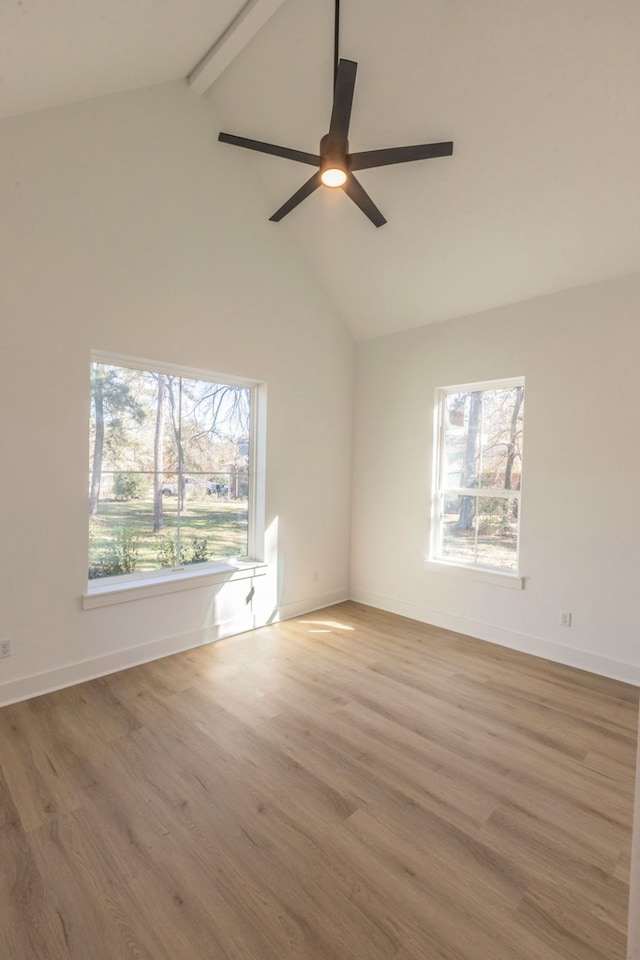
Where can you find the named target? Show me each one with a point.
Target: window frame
(120, 587)
(503, 576)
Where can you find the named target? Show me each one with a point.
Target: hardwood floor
(349, 785)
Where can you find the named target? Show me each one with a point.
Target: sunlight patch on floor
(325, 626)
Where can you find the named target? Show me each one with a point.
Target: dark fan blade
(261, 147)
(342, 102)
(382, 158)
(361, 198)
(300, 195)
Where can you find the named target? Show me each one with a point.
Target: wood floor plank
(30, 769)
(344, 785)
(31, 922)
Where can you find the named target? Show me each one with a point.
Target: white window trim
(120, 589)
(105, 594)
(475, 571)
(173, 369)
(498, 578)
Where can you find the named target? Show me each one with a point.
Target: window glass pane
(458, 528)
(480, 449)
(501, 438)
(461, 448)
(498, 532)
(215, 439)
(169, 470)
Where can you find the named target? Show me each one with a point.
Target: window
(170, 461)
(479, 475)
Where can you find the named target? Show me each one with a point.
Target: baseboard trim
(298, 609)
(547, 649)
(35, 685)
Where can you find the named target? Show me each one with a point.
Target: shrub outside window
(479, 475)
(170, 470)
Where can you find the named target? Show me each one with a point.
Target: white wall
(579, 353)
(125, 227)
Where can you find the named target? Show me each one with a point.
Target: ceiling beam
(251, 18)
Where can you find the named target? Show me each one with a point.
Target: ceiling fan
(335, 164)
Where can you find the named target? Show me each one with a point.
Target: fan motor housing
(333, 154)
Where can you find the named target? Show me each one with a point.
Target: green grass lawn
(122, 538)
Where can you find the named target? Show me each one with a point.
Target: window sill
(104, 594)
(510, 580)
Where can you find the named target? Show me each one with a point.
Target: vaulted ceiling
(60, 51)
(541, 99)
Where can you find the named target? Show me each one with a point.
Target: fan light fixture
(333, 177)
(335, 165)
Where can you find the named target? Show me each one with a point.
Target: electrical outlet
(565, 618)
(5, 648)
